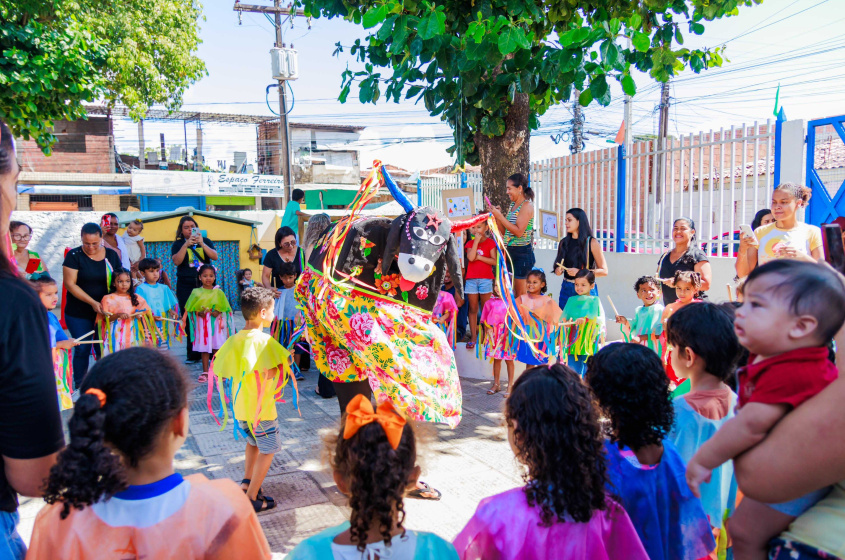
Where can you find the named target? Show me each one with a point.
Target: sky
(797, 44)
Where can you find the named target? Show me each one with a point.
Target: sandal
(203, 378)
(494, 389)
(263, 503)
(426, 489)
(470, 345)
(247, 482)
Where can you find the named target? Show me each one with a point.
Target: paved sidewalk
(466, 464)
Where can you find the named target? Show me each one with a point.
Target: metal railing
(430, 189)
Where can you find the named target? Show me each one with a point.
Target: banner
(205, 184)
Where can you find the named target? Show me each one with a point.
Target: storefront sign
(205, 184)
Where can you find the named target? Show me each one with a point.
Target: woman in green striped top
(518, 229)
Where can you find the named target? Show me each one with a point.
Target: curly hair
(254, 299)
(542, 276)
(377, 477)
(632, 388)
(650, 280)
(144, 390)
(558, 438)
(688, 276)
(798, 192)
(132, 295)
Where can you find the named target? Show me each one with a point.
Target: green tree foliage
(56, 55)
(471, 61)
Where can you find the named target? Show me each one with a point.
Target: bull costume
(368, 291)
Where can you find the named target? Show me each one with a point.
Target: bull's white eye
(437, 239)
(421, 233)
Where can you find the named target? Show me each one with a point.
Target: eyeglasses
(288, 244)
(19, 237)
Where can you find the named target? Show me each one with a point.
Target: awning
(73, 190)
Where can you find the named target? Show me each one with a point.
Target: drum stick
(166, 319)
(91, 342)
(730, 295)
(615, 312)
(86, 335)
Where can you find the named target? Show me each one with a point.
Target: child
(161, 300)
(244, 277)
(135, 245)
(445, 313)
(481, 258)
(287, 316)
(582, 312)
(687, 285)
(251, 363)
(539, 313)
(374, 462)
(114, 492)
(647, 325)
(126, 319)
(705, 350)
(564, 510)
(792, 309)
(210, 316)
(48, 291)
(644, 469)
(493, 341)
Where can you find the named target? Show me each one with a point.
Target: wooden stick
(86, 335)
(730, 295)
(166, 319)
(615, 312)
(91, 342)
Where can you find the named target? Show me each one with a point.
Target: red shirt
(789, 378)
(478, 269)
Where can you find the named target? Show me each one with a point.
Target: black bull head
(405, 259)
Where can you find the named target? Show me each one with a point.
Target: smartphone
(834, 251)
(195, 231)
(747, 231)
(32, 265)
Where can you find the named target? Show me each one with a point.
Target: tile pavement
(466, 464)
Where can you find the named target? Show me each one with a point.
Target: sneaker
(192, 361)
(300, 377)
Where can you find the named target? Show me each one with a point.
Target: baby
(791, 310)
(135, 246)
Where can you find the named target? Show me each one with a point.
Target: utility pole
(629, 114)
(284, 130)
(662, 130)
(577, 144)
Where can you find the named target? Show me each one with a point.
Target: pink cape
(505, 527)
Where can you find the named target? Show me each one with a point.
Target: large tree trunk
(504, 155)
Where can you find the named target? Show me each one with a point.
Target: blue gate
(826, 169)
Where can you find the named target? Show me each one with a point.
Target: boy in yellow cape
(251, 368)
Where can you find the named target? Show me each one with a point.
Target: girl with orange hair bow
(367, 441)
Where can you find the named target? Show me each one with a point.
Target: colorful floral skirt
(405, 356)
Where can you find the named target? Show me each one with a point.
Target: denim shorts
(521, 262)
(479, 286)
(799, 505)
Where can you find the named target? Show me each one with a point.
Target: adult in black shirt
(285, 251)
(189, 252)
(88, 270)
(686, 255)
(577, 250)
(30, 424)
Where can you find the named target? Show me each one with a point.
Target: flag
(620, 136)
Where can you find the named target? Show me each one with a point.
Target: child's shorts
(800, 505)
(479, 286)
(267, 438)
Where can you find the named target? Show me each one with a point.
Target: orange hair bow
(101, 396)
(359, 413)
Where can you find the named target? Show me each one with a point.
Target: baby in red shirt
(791, 311)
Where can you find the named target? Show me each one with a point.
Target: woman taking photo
(578, 250)
(285, 251)
(21, 236)
(518, 229)
(189, 252)
(87, 272)
(786, 237)
(685, 256)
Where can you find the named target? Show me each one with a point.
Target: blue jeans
(12, 546)
(82, 353)
(567, 290)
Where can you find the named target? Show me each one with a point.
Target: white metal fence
(431, 189)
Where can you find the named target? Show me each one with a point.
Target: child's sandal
(494, 389)
(203, 378)
(247, 481)
(263, 503)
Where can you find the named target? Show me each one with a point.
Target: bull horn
(466, 224)
(395, 190)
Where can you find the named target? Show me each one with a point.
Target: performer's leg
(183, 292)
(347, 391)
(79, 326)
